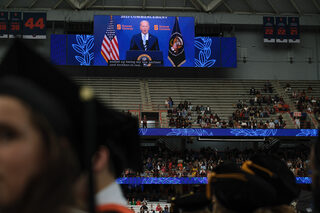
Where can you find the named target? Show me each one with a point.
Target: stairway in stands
(286, 116)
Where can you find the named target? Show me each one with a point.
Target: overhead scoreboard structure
(26, 25)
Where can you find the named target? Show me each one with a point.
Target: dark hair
(316, 174)
(51, 190)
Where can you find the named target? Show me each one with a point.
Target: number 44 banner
(34, 25)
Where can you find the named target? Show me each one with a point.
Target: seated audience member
(190, 106)
(138, 202)
(170, 102)
(144, 122)
(133, 202)
(252, 91)
(166, 103)
(145, 202)
(143, 208)
(288, 87)
(158, 208)
(166, 209)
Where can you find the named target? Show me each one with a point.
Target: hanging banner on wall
(281, 30)
(34, 25)
(3, 24)
(294, 29)
(269, 30)
(15, 25)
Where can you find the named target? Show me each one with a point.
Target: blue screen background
(124, 36)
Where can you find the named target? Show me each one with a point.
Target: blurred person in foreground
(315, 164)
(262, 185)
(41, 152)
(276, 173)
(56, 139)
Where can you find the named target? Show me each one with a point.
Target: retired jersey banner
(294, 30)
(281, 30)
(4, 24)
(34, 25)
(143, 41)
(269, 30)
(15, 24)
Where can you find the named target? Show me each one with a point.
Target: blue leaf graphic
(198, 45)
(197, 63)
(80, 40)
(90, 44)
(91, 56)
(80, 59)
(202, 57)
(78, 48)
(207, 53)
(210, 63)
(87, 58)
(208, 43)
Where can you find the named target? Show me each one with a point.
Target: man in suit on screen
(144, 40)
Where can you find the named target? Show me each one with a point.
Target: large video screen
(72, 50)
(215, 52)
(144, 41)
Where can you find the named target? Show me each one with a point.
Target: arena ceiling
(205, 11)
(300, 7)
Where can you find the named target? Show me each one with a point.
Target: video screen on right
(215, 52)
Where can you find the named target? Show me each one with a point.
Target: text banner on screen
(34, 25)
(4, 24)
(15, 25)
(143, 41)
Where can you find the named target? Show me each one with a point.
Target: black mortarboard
(26, 75)
(274, 171)
(190, 202)
(238, 190)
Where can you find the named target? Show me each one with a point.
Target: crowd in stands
(304, 101)
(161, 162)
(144, 207)
(247, 115)
(181, 116)
(259, 107)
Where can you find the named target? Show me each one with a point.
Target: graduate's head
(315, 164)
(144, 26)
(34, 160)
(40, 145)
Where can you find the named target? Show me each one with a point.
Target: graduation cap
(238, 190)
(190, 202)
(72, 111)
(275, 172)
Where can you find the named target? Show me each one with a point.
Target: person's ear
(101, 159)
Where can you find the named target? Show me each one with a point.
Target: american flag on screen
(110, 47)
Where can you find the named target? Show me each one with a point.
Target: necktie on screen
(145, 42)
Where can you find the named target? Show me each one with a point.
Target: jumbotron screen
(143, 41)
